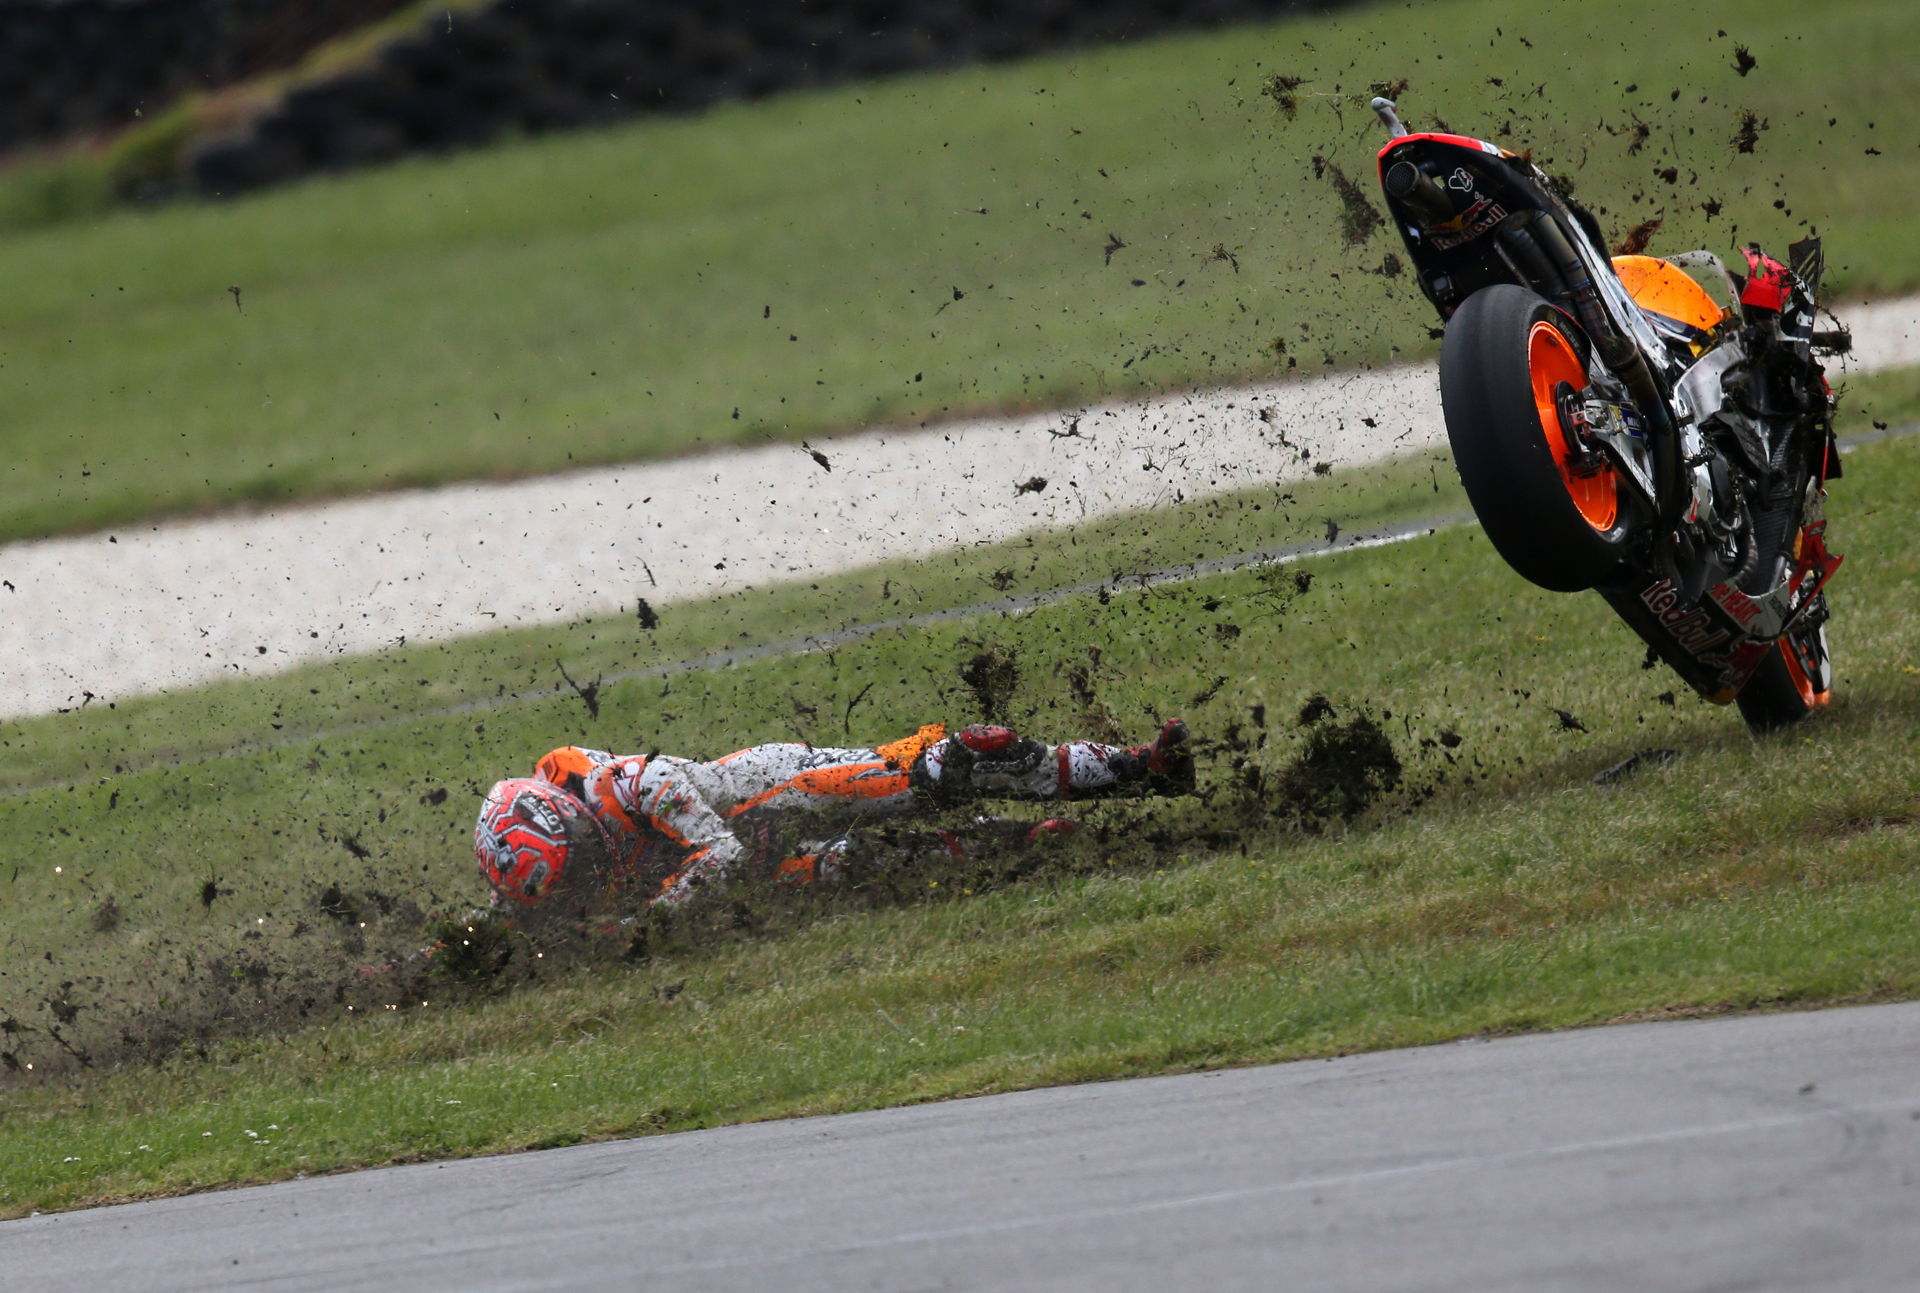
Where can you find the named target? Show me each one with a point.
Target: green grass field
(902, 251)
(180, 899)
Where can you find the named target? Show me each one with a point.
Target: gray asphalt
(1760, 1152)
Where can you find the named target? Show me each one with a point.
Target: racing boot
(1163, 766)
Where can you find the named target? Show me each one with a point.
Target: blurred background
(223, 96)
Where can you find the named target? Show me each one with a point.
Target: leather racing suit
(691, 823)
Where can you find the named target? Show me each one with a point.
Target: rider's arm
(666, 794)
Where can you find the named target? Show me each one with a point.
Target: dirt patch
(992, 675)
(1358, 217)
(1343, 769)
(200, 983)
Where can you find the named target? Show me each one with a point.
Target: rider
(590, 825)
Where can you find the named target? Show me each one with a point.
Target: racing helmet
(533, 836)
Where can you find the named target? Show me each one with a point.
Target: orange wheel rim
(1550, 361)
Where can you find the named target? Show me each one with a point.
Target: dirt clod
(1281, 89)
(992, 676)
(1638, 237)
(1344, 768)
(1633, 763)
(1358, 217)
(1316, 708)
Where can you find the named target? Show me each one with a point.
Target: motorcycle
(1618, 428)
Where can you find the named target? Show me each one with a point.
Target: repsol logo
(1735, 603)
(1690, 626)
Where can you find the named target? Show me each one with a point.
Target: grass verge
(1052, 231)
(1491, 886)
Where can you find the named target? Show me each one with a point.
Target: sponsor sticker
(1691, 627)
(1735, 603)
(1475, 221)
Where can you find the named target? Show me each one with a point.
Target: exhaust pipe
(1415, 190)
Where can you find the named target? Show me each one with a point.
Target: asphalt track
(1756, 1152)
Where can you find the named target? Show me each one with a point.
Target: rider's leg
(789, 776)
(995, 762)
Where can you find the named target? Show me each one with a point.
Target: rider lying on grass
(590, 827)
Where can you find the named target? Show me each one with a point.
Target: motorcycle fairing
(1716, 643)
(1769, 283)
(1473, 215)
(1484, 184)
(1679, 307)
(1492, 199)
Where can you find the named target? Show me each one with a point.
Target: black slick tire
(1503, 345)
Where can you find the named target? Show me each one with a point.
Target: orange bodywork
(1811, 694)
(1663, 288)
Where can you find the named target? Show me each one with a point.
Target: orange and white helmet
(533, 836)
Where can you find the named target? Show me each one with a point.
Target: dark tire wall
(531, 66)
(76, 66)
(511, 67)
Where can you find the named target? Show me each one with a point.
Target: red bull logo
(1690, 626)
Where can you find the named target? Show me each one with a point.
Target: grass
(903, 251)
(1497, 888)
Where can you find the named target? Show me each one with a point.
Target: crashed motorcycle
(1620, 427)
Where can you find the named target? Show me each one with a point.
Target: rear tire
(1506, 354)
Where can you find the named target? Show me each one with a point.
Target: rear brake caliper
(1603, 431)
(1603, 428)
(1577, 427)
